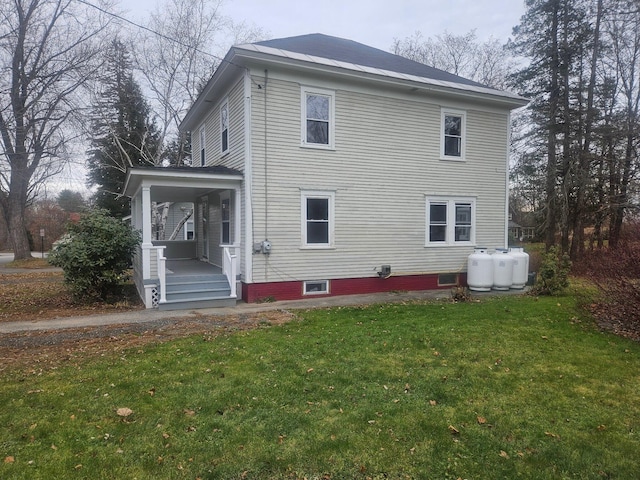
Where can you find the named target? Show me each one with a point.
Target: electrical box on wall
(263, 247)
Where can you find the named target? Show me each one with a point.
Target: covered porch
(198, 269)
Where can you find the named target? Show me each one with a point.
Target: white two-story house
(322, 166)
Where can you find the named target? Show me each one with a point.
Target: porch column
(237, 201)
(146, 233)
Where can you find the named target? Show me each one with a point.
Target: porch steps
(197, 291)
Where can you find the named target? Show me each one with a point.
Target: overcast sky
(372, 22)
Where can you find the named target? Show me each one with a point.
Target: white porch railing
(230, 269)
(162, 274)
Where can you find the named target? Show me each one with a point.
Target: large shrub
(96, 255)
(553, 277)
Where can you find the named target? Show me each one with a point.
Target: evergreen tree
(560, 39)
(124, 136)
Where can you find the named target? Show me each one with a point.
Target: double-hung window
(317, 219)
(224, 127)
(317, 118)
(450, 221)
(203, 140)
(453, 131)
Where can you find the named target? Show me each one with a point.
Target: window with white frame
(453, 134)
(450, 221)
(317, 219)
(225, 230)
(224, 127)
(317, 117)
(316, 287)
(203, 139)
(189, 230)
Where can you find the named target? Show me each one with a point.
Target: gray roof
(342, 50)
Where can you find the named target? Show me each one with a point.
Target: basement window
(316, 287)
(448, 280)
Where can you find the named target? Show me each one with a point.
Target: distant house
(322, 166)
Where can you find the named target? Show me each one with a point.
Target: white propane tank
(502, 269)
(520, 267)
(480, 270)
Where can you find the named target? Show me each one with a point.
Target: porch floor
(191, 266)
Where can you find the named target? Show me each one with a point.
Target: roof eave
(193, 115)
(281, 57)
(137, 176)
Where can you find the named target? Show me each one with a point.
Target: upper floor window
(203, 139)
(453, 134)
(224, 127)
(317, 219)
(450, 221)
(317, 118)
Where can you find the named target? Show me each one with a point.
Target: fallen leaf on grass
(453, 430)
(9, 459)
(552, 435)
(433, 403)
(504, 454)
(124, 412)
(482, 420)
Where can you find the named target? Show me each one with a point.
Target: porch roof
(176, 184)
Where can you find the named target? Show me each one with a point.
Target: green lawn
(507, 388)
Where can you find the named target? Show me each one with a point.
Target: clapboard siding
(213, 155)
(386, 161)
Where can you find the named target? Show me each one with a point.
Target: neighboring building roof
(348, 51)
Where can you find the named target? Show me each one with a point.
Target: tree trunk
(550, 187)
(584, 169)
(16, 206)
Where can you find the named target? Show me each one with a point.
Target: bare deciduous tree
(484, 62)
(177, 64)
(47, 54)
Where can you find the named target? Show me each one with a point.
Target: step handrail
(229, 269)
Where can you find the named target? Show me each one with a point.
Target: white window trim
(304, 195)
(226, 196)
(463, 144)
(325, 292)
(202, 152)
(186, 229)
(304, 91)
(225, 104)
(451, 220)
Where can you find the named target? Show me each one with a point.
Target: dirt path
(45, 349)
